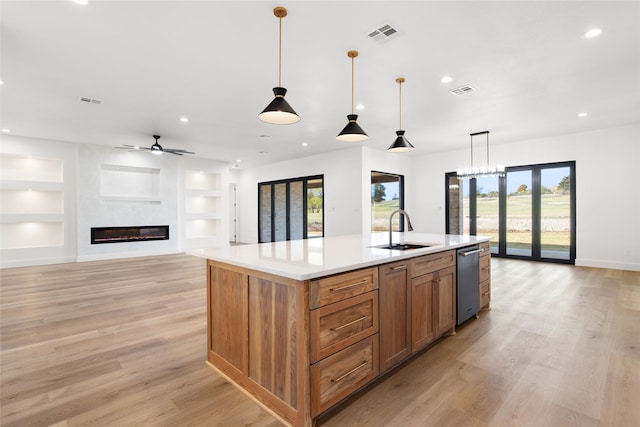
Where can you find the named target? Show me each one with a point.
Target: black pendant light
(279, 112)
(400, 145)
(352, 132)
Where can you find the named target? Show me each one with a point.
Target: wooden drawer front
(339, 375)
(485, 293)
(485, 268)
(337, 326)
(487, 249)
(430, 263)
(336, 288)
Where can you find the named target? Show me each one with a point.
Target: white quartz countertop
(317, 257)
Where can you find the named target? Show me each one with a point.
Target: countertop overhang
(316, 257)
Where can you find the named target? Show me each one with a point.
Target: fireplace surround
(142, 233)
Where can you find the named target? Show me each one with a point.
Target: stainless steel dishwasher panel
(467, 283)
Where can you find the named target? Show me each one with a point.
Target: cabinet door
(395, 314)
(446, 299)
(423, 320)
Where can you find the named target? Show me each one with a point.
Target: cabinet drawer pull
(349, 324)
(361, 282)
(486, 294)
(343, 376)
(400, 267)
(485, 268)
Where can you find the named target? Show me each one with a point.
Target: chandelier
(486, 170)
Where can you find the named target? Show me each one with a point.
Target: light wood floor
(123, 343)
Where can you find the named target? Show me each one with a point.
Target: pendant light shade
(352, 132)
(279, 112)
(401, 144)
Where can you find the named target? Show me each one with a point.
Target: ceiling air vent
(462, 90)
(383, 33)
(90, 100)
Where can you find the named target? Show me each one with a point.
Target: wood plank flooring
(123, 343)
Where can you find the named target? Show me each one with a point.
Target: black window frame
(287, 183)
(536, 191)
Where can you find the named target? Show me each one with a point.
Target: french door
(529, 213)
(291, 209)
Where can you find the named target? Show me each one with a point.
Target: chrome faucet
(406, 215)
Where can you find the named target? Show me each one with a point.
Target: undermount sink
(404, 246)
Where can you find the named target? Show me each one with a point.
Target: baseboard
(119, 255)
(607, 264)
(31, 262)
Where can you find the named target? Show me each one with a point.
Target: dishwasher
(467, 283)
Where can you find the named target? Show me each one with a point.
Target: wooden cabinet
(485, 275)
(417, 304)
(338, 325)
(336, 288)
(423, 315)
(343, 335)
(395, 314)
(339, 375)
(433, 298)
(300, 347)
(446, 291)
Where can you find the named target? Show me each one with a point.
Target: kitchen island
(301, 325)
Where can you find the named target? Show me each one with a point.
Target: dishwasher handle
(471, 252)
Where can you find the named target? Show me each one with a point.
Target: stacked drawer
(343, 335)
(485, 275)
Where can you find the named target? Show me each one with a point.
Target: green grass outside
(553, 207)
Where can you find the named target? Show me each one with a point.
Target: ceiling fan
(157, 148)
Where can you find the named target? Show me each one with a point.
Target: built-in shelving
(202, 206)
(129, 184)
(31, 202)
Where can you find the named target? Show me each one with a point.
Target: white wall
(342, 190)
(607, 188)
(347, 186)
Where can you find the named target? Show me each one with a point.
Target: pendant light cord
(280, 54)
(400, 83)
(352, 85)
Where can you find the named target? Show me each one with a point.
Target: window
(529, 214)
(291, 209)
(387, 195)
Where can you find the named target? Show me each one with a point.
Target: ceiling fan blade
(171, 152)
(178, 150)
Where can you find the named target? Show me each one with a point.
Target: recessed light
(583, 114)
(446, 79)
(184, 119)
(6, 130)
(1, 82)
(594, 32)
(238, 161)
(360, 107)
(304, 144)
(82, 2)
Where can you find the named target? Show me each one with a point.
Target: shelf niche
(129, 184)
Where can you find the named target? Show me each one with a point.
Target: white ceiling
(151, 62)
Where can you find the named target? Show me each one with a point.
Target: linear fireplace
(129, 234)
